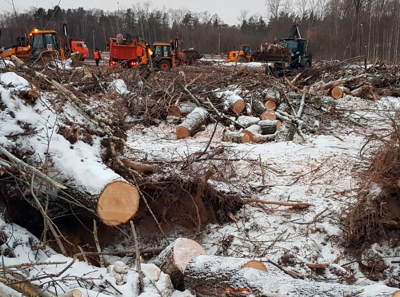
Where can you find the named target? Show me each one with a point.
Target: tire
(243, 60)
(164, 65)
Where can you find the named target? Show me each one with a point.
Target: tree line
(335, 29)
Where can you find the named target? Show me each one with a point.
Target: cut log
(118, 203)
(175, 257)
(192, 123)
(339, 91)
(268, 115)
(283, 107)
(259, 138)
(252, 130)
(182, 109)
(205, 277)
(272, 95)
(236, 137)
(247, 121)
(269, 126)
(232, 101)
(257, 106)
(211, 275)
(270, 105)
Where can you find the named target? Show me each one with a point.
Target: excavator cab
(43, 42)
(167, 55)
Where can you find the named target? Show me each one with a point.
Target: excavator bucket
(294, 32)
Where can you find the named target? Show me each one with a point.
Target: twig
(96, 240)
(296, 205)
(137, 259)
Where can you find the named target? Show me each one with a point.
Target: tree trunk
(247, 121)
(236, 137)
(208, 276)
(182, 109)
(269, 126)
(175, 257)
(366, 92)
(213, 275)
(259, 138)
(192, 123)
(257, 106)
(252, 130)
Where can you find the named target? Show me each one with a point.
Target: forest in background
(335, 29)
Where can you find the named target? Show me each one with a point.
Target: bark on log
(257, 106)
(8, 292)
(236, 137)
(206, 280)
(268, 115)
(192, 123)
(118, 203)
(182, 109)
(212, 275)
(259, 138)
(366, 92)
(235, 104)
(252, 130)
(175, 257)
(272, 95)
(247, 121)
(269, 127)
(139, 167)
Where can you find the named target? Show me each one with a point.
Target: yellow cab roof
(37, 31)
(161, 43)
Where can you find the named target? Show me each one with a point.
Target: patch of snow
(118, 86)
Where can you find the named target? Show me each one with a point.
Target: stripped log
(204, 278)
(269, 126)
(268, 115)
(236, 137)
(192, 123)
(212, 275)
(247, 121)
(118, 203)
(175, 257)
(182, 109)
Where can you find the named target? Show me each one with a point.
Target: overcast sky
(228, 10)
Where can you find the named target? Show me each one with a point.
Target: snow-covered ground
(320, 171)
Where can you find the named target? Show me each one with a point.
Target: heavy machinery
(39, 44)
(289, 53)
(128, 52)
(44, 44)
(242, 56)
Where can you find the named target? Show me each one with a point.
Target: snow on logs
(182, 109)
(236, 137)
(232, 101)
(175, 257)
(192, 123)
(217, 276)
(271, 98)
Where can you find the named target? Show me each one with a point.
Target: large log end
(256, 265)
(118, 203)
(238, 107)
(268, 115)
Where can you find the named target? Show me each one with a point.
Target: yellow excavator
(242, 56)
(38, 45)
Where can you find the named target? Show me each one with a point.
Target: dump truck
(128, 52)
(79, 47)
(289, 53)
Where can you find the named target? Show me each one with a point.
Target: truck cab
(80, 47)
